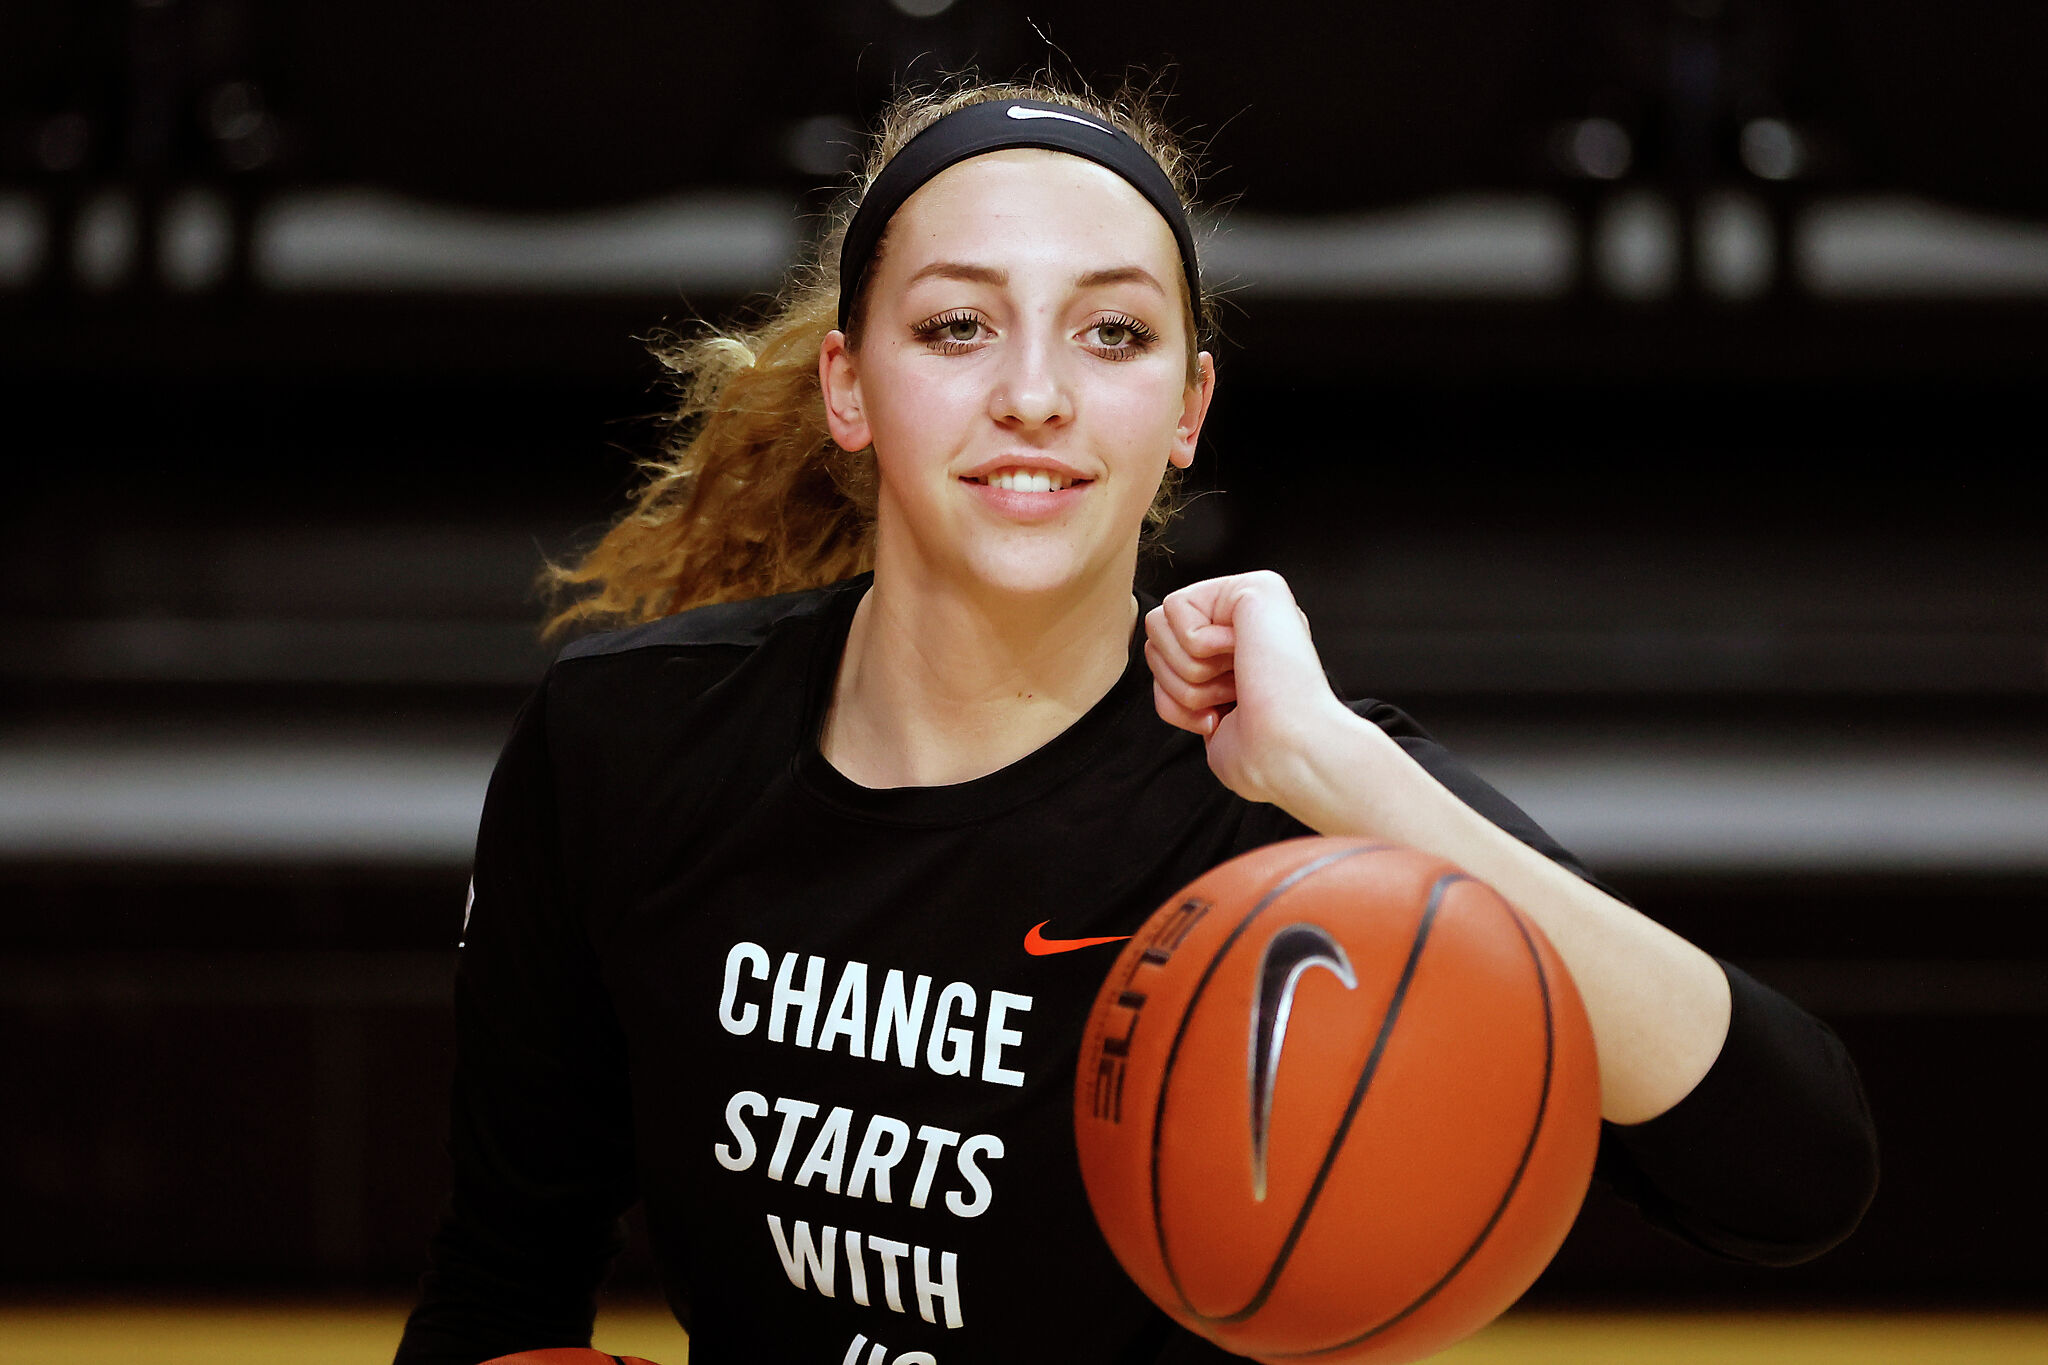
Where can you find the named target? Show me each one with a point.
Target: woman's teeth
(1027, 481)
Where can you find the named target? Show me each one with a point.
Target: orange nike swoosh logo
(1038, 945)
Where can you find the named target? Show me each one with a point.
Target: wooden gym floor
(93, 1333)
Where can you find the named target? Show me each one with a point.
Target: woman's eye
(1125, 336)
(951, 331)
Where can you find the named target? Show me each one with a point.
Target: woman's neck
(937, 687)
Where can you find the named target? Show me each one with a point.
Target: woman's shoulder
(745, 624)
(642, 725)
(742, 659)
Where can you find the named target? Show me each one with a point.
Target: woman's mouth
(1027, 480)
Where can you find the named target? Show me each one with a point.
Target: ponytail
(752, 496)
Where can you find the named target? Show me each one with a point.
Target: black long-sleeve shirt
(795, 1017)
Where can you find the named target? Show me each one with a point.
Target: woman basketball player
(789, 901)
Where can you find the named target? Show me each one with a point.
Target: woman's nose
(1031, 389)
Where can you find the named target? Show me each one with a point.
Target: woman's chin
(1045, 571)
(1044, 563)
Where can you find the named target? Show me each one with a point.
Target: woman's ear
(839, 378)
(1194, 409)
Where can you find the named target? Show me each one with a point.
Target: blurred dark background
(1645, 393)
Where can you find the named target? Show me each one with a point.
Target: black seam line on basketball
(1365, 1076)
(1514, 1182)
(1180, 1033)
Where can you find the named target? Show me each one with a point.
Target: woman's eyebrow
(961, 270)
(1123, 274)
(991, 275)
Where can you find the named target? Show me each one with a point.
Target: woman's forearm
(1658, 1005)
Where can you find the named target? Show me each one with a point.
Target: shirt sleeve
(541, 1136)
(1772, 1157)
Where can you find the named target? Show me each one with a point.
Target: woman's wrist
(1331, 770)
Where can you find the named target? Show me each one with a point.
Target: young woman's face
(1022, 374)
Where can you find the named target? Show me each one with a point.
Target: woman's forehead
(1025, 199)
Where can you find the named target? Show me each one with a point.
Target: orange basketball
(1336, 1101)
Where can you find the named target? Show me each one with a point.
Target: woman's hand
(1232, 661)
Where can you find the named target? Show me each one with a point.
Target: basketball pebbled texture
(1394, 1052)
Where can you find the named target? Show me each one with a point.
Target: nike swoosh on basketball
(1019, 111)
(1288, 954)
(1038, 945)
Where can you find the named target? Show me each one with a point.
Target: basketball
(1336, 1101)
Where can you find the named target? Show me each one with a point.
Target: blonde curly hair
(751, 496)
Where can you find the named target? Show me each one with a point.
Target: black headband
(993, 126)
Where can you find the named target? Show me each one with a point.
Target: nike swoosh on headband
(1019, 111)
(1038, 945)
